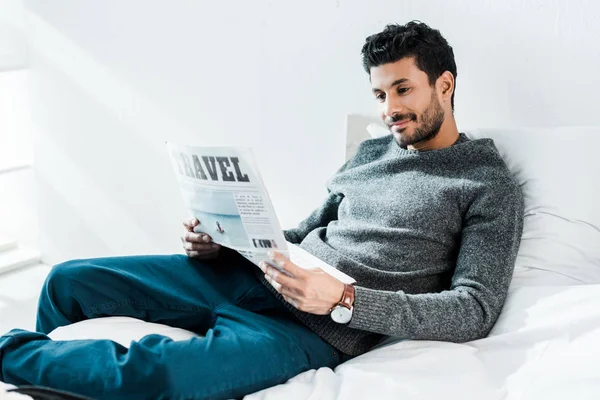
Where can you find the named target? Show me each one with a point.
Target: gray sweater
(431, 238)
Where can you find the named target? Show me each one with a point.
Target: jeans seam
(141, 304)
(247, 384)
(243, 298)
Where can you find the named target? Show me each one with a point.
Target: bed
(546, 343)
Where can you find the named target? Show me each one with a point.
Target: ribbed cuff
(371, 310)
(5, 341)
(291, 236)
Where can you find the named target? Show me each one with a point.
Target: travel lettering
(226, 169)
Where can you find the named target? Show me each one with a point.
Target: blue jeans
(251, 340)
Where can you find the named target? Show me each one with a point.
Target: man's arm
(469, 309)
(319, 218)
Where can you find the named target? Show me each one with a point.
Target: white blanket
(546, 345)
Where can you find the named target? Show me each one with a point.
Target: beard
(428, 127)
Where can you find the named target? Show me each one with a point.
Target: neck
(446, 137)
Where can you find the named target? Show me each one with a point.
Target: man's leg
(245, 351)
(174, 290)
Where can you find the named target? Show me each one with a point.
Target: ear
(445, 84)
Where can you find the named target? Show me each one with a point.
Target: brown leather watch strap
(348, 297)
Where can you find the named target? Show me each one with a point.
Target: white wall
(17, 205)
(112, 80)
(13, 49)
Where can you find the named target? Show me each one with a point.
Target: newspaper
(222, 188)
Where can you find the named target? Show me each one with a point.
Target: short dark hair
(432, 53)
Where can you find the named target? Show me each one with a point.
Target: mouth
(401, 124)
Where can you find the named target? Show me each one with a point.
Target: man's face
(408, 104)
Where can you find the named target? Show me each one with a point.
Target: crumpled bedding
(4, 395)
(545, 345)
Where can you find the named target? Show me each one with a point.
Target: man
(427, 221)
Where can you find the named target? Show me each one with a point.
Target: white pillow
(122, 330)
(559, 172)
(376, 130)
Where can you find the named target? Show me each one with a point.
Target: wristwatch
(342, 312)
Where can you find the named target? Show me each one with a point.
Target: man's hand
(313, 291)
(197, 245)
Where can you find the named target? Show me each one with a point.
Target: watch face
(341, 315)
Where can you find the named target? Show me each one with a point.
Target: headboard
(359, 128)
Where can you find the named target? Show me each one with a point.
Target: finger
(201, 247)
(189, 238)
(278, 276)
(285, 264)
(276, 285)
(205, 248)
(191, 223)
(197, 237)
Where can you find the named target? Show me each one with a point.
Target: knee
(62, 275)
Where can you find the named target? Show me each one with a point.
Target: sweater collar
(462, 138)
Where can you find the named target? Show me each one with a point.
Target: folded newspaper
(222, 188)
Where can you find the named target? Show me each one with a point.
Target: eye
(380, 97)
(403, 90)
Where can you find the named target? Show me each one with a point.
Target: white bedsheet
(546, 345)
(4, 395)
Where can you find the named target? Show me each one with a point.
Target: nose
(392, 107)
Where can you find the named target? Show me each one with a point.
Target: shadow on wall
(103, 182)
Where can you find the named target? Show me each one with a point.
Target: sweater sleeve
(489, 244)
(318, 218)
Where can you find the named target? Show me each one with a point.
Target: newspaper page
(222, 188)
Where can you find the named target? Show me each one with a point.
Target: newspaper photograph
(222, 188)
